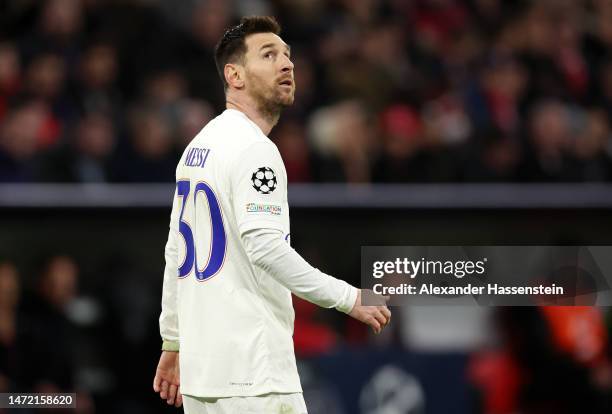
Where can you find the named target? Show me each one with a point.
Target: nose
(287, 64)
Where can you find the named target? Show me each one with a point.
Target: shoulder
(230, 134)
(244, 136)
(235, 126)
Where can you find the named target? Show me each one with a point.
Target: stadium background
(415, 122)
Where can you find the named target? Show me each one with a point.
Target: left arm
(167, 379)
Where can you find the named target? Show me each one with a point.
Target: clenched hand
(376, 316)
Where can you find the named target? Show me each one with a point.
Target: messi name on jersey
(196, 157)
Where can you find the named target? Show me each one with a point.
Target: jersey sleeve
(259, 189)
(269, 252)
(168, 320)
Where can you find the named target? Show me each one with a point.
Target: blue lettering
(187, 157)
(205, 157)
(196, 157)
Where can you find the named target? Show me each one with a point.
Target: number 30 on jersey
(218, 238)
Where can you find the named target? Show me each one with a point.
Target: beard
(270, 99)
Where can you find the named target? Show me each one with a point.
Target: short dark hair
(232, 46)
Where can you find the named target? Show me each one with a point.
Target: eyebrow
(272, 45)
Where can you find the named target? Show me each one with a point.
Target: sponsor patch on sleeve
(263, 208)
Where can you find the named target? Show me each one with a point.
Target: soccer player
(230, 271)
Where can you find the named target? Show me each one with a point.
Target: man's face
(269, 71)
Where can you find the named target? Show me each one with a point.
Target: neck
(264, 118)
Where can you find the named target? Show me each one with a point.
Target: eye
(268, 55)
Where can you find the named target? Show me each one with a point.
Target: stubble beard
(268, 100)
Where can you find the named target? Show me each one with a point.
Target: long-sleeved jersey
(230, 269)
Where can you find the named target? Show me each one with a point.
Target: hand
(167, 379)
(377, 317)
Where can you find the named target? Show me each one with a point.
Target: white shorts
(263, 404)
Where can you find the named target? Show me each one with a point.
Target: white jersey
(233, 319)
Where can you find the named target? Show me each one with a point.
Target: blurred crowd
(387, 90)
(38, 339)
(63, 332)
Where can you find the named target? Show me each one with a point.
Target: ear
(234, 75)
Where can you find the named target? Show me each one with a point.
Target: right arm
(262, 237)
(268, 251)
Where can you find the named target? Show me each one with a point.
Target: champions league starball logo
(264, 180)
